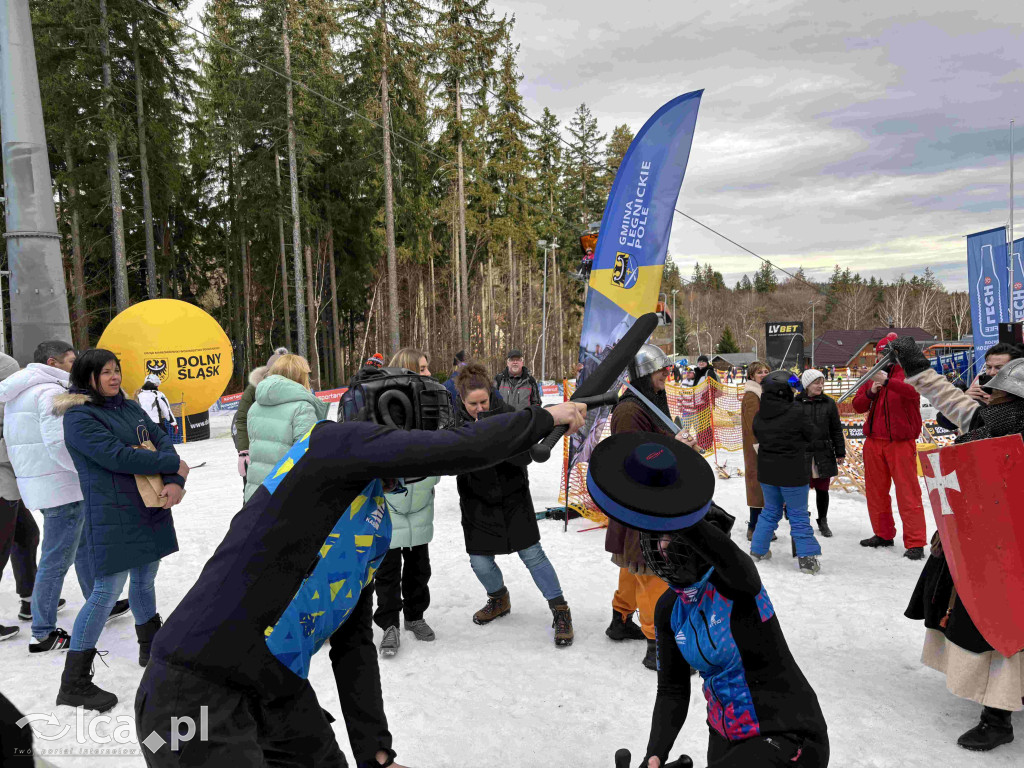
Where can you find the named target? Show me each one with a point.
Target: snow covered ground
(503, 695)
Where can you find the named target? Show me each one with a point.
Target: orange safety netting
(711, 413)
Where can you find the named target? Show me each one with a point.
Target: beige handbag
(150, 486)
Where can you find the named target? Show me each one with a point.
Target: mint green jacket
(412, 514)
(283, 412)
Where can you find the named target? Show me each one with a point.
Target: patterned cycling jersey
(344, 567)
(702, 624)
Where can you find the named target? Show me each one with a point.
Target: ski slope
(504, 695)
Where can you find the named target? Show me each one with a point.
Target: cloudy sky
(870, 133)
(873, 134)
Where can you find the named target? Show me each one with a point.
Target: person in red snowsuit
(890, 456)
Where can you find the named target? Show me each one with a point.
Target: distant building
(739, 359)
(850, 349)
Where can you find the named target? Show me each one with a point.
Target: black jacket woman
(828, 447)
(498, 516)
(784, 431)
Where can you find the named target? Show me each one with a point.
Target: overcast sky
(872, 133)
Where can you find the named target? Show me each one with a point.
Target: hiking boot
(145, 633)
(651, 658)
(750, 533)
(823, 527)
(993, 730)
(914, 553)
(809, 564)
(420, 629)
(758, 558)
(498, 605)
(6, 633)
(389, 645)
(623, 628)
(25, 614)
(76, 686)
(562, 623)
(120, 609)
(57, 640)
(875, 542)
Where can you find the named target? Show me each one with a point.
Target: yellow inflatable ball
(178, 342)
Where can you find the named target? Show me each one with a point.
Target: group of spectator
(83, 454)
(277, 409)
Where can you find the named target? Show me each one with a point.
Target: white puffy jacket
(35, 437)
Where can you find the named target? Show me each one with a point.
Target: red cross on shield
(976, 491)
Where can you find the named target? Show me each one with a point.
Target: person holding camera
(401, 582)
(293, 572)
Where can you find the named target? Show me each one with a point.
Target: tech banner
(987, 283)
(784, 346)
(976, 491)
(633, 241)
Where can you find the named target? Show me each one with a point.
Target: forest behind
(344, 177)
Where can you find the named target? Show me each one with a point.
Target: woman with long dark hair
(498, 516)
(106, 433)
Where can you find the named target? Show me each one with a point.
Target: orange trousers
(638, 593)
(888, 463)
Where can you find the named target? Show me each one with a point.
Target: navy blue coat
(120, 531)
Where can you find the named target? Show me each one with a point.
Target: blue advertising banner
(1017, 290)
(986, 281)
(633, 241)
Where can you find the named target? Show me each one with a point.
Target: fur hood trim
(752, 386)
(258, 375)
(65, 402)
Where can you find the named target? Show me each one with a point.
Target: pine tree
(619, 142)
(765, 280)
(727, 344)
(584, 191)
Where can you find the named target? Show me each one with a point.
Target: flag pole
(1013, 319)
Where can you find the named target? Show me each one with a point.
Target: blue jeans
(62, 532)
(799, 520)
(94, 614)
(543, 572)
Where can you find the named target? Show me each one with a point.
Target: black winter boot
(623, 628)
(562, 624)
(146, 632)
(651, 659)
(875, 542)
(76, 686)
(993, 730)
(823, 527)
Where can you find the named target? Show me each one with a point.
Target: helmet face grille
(671, 557)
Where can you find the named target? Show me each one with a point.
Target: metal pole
(674, 327)
(755, 344)
(813, 305)
(1010, 249)
(3, 327)
(39, 300)
(544, 320)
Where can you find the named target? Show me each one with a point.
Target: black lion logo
(158, 367)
